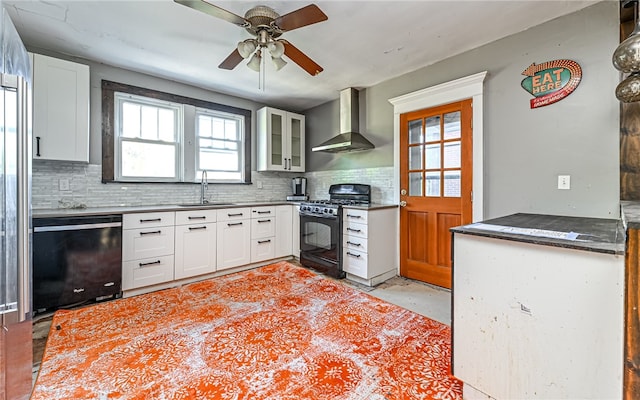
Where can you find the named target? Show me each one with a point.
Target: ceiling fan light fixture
(276, 48)
(246, 48)
(254, 62)
(278, 62)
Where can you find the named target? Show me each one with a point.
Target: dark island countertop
(598, 235)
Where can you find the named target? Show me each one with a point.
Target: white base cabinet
(368, 254)
(285, 231)
(196, 243)
(263, 231)
(234, 237)
(147, 249)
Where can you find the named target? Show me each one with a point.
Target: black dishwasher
(76, 259)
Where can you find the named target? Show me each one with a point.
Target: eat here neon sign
(551, 81)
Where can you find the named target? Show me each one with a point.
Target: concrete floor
(431, 301)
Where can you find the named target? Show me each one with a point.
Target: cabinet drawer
(145, 272)
(263, 228)
(355, 243)
(229, 214)
(148, 242)
(260, 212)
(358, 216)
(148, 220)
(355, 262)
(196, 217)
(354, 229)
(262, 249)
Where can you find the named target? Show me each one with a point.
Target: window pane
(130, 120)
(415, 131)
(148, 160)
(415, 157)
(452, 125)
(452, 155)
(432, 186)
(219, 160)
(433, 156)
(230, 129)
(217, 126)
(204, 126)
(415, 184)
(452, 184)
(433, 128)
(166, 127)
(149, 122)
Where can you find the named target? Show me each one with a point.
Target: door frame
(469, 87)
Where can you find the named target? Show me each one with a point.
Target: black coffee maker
(299, 186)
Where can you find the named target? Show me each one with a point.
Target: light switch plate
(564, 182)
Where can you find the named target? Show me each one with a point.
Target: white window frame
(239, 119)
(121, 98)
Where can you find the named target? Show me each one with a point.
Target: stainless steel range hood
(349, 138)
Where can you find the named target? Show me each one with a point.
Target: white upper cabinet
(60, 109)
(280, 140)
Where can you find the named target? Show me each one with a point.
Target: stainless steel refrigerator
(15, 223)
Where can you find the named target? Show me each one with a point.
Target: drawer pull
(263, 212)
(142, 221)
(353, 255)
(353, 216)
(263, 220)
(234, 224)
(197, 228)
(197, 217)
(109, 284)
(264, 241)
(354, 230)
(149, 263)
(354, 244)
(150, 233)
(79, 290)
(235, 215)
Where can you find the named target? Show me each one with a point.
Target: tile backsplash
(87, 190)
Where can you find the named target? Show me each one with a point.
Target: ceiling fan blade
(304, 16)
(232, 61)
(301, 59)
(208, 8)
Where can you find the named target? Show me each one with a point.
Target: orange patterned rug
(279, 332)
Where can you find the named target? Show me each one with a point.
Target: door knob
(403, 192)
(403, 203)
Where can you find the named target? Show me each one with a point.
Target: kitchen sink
(205, 204)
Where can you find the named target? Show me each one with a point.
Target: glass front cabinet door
(281, 137)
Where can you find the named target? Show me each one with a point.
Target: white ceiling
(362, 43)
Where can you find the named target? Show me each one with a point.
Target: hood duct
(349, 138)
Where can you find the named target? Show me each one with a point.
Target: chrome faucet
(203, 187)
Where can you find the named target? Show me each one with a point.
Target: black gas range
(321, 227)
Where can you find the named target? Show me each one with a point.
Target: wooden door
(435, 182)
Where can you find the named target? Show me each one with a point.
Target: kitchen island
(538, 307)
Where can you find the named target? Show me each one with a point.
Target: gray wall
(525, 149)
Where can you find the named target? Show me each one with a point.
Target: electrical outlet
(259, 183)
(63, 184)
(564, 182)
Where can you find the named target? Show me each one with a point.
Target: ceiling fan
(266, 25)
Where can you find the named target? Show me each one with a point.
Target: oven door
(320, 244)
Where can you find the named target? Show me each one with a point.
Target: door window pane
(433, 128)
(433, 156)
(415, 183)
(452, 125)
(415, 131)
(452, 155)
(432, 186)
(415, 157)
(452, 184)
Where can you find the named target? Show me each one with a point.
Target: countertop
(73, 212)
(630, 211)
(590, 234)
